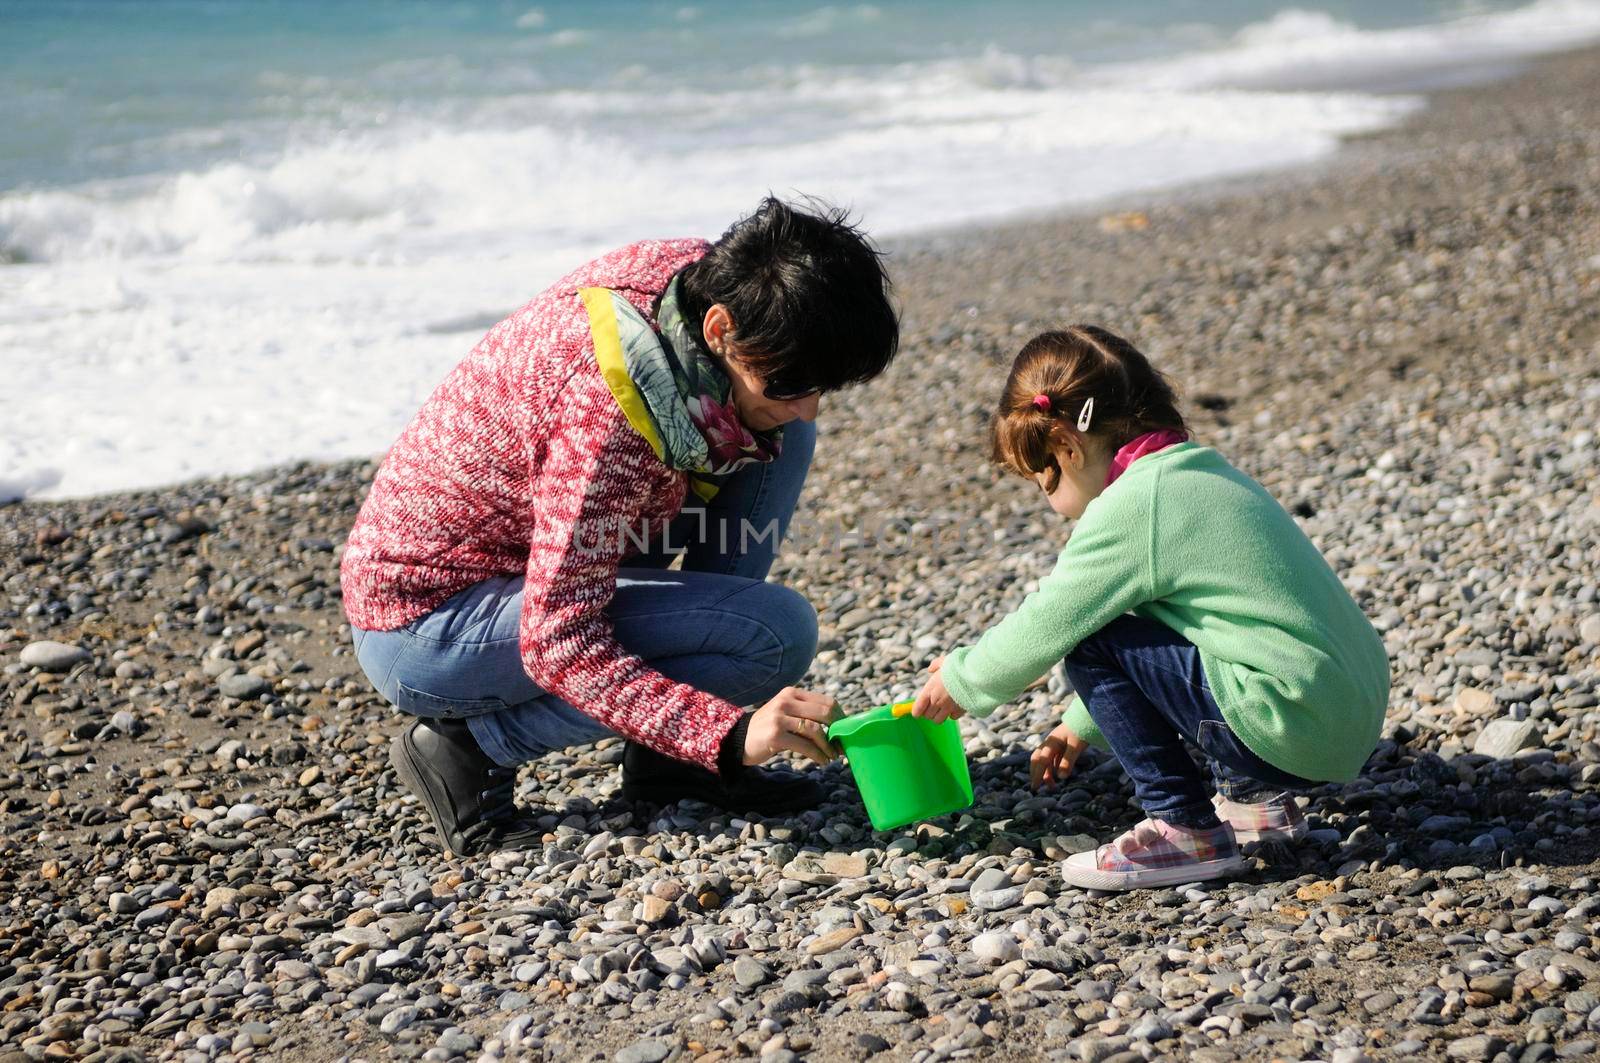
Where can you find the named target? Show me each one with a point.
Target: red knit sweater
(513, 465)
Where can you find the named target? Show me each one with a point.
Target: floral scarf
(685, 394)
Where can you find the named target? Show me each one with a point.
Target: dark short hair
(807, 292)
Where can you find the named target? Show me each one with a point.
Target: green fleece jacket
(1185, 539)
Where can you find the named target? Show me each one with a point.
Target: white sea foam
(417, 190)
(829, 19)
(301, 302)
(1301, 48)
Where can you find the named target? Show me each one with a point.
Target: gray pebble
(50, 656)
(1504, 738)
(750, 972)
(243, 686)
(1476, 1047)
(645, 1051)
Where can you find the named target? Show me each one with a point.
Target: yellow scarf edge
(608, 352)
(614, 371)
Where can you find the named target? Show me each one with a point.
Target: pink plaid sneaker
(1155, 853)
(1277, 819)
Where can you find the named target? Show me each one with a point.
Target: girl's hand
(934, 702)
(1052, 762)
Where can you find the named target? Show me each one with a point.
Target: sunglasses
(784, 391)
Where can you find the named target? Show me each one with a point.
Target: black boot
(660, 779)
(467, 795)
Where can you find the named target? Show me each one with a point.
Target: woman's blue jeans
(1145, 689)
(715, 624)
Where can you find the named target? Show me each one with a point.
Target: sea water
(241, 232)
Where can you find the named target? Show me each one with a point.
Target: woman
(507, 578)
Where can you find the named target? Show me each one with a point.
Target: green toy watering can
(907, 769)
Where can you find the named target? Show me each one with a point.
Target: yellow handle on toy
(902, 708)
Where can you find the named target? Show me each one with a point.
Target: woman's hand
(934, 702)
(1052, 762)
(796, 720)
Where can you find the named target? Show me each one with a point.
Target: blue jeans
(715, 624)
(1145, 689)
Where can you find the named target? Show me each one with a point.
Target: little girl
(1186, 605)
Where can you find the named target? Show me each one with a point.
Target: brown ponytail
(1055, 375)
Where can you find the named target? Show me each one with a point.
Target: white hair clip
(1085, 414)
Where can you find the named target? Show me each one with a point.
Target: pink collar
(1135, 449)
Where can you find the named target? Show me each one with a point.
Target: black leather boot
(658, 778)
(467, 795)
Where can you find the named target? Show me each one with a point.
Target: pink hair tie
(1042, 401)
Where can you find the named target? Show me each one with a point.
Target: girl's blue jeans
(716, 624)
(1145, 689)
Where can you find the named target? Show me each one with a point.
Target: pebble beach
(204, 854)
